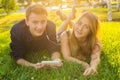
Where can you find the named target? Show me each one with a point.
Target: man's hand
(39, 66)
(57, 65)
(90, 70)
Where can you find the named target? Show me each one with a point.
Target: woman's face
(82, 28)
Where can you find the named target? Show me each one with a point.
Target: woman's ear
(26, 21)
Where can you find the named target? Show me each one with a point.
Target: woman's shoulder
(98, 46)
(98, 43)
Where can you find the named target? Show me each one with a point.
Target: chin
(37, 34)
(79, 36)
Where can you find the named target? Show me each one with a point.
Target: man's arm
(52, 45)
(18, 49)
(24, 62)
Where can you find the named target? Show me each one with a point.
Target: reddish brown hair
(37, 9)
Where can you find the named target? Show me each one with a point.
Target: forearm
(77, 60)
(94, 62)
(24, 62)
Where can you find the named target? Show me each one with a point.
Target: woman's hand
(85, 65)
(90, 70)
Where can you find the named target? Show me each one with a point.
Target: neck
(81, 40)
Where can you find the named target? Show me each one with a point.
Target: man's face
(37, 24)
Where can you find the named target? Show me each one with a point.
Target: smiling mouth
(39, 31)
(79, 32)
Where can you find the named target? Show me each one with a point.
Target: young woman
(80, 44)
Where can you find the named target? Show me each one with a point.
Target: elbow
(19, 61)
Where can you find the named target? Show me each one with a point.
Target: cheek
(87, 32)
(31, 28)
(74, 28)
(30, 24)
(44, 25)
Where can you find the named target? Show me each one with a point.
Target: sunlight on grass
(109, 68)
(11, 18)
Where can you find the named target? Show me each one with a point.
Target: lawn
(108, 69)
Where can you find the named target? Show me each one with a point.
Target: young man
(33, 34)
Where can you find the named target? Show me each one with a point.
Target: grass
(108, 69)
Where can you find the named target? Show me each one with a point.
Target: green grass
(108, 69)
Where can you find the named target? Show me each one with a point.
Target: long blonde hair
(92, 37)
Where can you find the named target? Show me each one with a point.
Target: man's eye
(43, 21)
(35, 22)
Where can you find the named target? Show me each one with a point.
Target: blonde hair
(37, 9)
(92, 37)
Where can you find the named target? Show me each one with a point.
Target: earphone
(50, 39)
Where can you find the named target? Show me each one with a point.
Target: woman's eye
(86, 27)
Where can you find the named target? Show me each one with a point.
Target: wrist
(32, 65)
(93, 67)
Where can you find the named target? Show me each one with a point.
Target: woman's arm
(95, 60)
(66, 50)
(95, 57)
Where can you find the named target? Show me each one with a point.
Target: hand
(86, 65)
(89, 71)
(39, 65)
(57, 65)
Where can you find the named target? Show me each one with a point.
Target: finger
(95, 72)
(59, 65)
(87, 72)
(52, 66)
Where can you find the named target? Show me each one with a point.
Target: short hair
(37, 9)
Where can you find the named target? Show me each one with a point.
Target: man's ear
(26, 21)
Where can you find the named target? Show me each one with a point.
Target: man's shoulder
(51, 24)
(19, 25)
(18, 28)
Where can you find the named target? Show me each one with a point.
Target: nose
(80, 28)
(39, 25)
